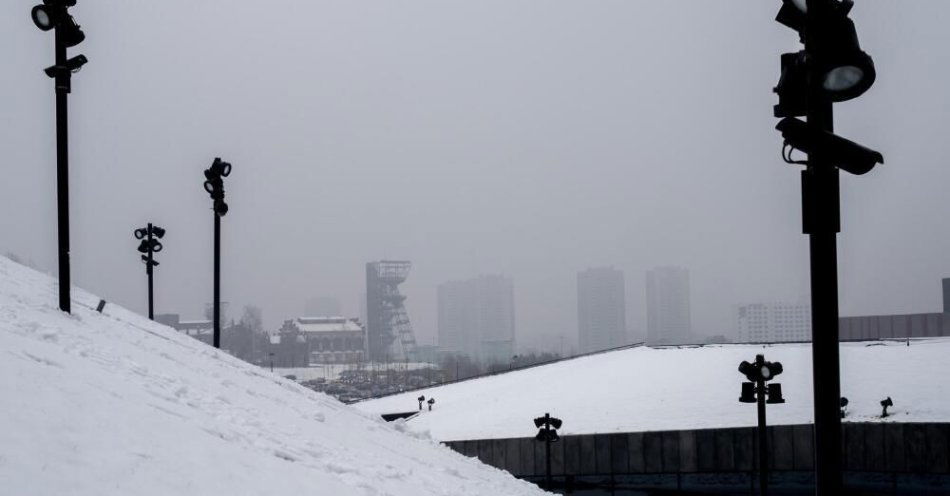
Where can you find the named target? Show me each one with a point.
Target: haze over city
(495, 137)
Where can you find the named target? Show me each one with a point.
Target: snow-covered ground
(113, 404)
(646, 389)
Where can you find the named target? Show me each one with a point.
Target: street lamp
(547, 433)
(53, 15)
(150, 244)
(831, 68)
(756, 391)
(214, 185)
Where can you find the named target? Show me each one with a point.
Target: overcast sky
(529, 138)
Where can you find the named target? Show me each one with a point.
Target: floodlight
(158, 232)
(538, 422)
(221, 208)
(775, 394)
(748, 393)
(72, 35)
(792, 88)
(846, 72)
(845, 154)
(556, 423)
(143, 246)
(747, 370)
(140, 233)
(156, 246)
(46, 16)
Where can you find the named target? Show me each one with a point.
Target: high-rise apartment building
(668, 314)
(773, 322)
(477, 318)
(601, 309)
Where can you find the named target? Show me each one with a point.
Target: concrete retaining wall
(891, 448)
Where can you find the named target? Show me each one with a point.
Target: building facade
(668, 308)
(601, 309)
(319, 340)
(477, 318)
(773, 322)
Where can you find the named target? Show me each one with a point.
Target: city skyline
(478, 154)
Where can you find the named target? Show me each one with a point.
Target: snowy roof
(113, 403)
(327, 324)
(649, 389)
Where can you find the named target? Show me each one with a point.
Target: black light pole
(214, 185)
(52, 14)
(148, 247)
(755, 391)
(547, 433)
(832, 68)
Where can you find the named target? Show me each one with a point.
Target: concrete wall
(916, 325)
(890, 448)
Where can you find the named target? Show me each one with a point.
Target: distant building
(773, 322)
(916, 325)
(601, 309)
(323, 306)
(668, 313)
(236, 339)
(304, 341)
(202, 330)
(477, 318)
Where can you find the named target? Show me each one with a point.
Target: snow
(650, 389)
(103, 404)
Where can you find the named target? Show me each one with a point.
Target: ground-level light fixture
(844, 406)
(421, 399)
(885, 403)
(431, 402)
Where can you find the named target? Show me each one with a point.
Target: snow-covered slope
(109, 404)
(646, 389)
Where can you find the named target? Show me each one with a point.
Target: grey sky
(530, 138)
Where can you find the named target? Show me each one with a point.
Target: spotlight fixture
(844, 406)
(748, 393)
(775, 394)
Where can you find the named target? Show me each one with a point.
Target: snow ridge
(111, 403)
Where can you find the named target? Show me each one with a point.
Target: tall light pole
(214, 185)
(52, 14)
(832, 68)
(150, 236)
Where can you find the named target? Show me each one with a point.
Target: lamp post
(53, 15)
(755, 391)
(547, 433)
(150, 244)
(832, 68)
(214, 185)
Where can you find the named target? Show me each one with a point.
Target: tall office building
(601, 309)
(773, 322)
(668, 316)
(477, 318)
